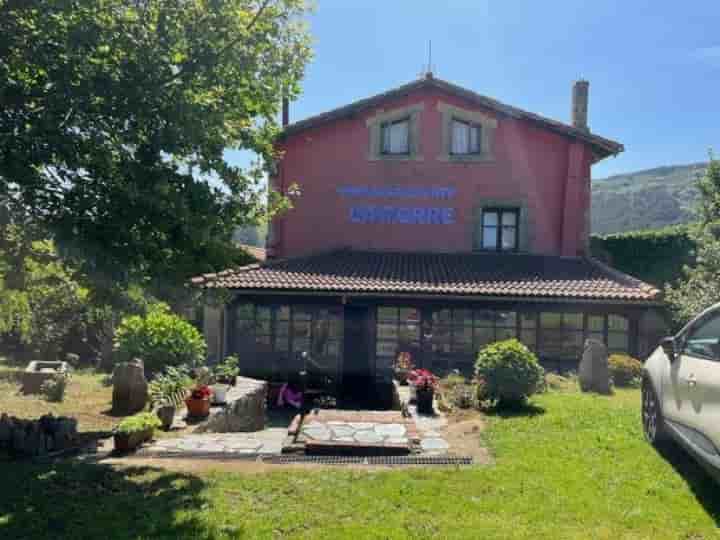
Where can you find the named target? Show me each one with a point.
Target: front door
(357, 370)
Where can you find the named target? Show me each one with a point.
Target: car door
(694, 398)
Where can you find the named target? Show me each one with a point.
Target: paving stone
(317, 433)
(434, 444)
(342, 431)
(361, 425)
(344, 439)
(396, 440)
(390, 430)
(368, 436)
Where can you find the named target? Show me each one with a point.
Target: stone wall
(243, 411)
(37, 437)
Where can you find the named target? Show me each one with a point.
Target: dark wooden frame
(499, 228)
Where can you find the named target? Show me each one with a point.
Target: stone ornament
(130, 388)
(593, 372)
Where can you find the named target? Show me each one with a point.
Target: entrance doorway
(357, 380)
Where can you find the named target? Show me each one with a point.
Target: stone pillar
(130, 388)
(593, 372)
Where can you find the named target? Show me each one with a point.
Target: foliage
(422, 380)
(160, 339)
(457, 393)
(625, 370)
(227, 370)
(508, 373)
(116, 117)
(138, 422)
(699, 287)
(53, 389)
(170, 388)
(654, 256)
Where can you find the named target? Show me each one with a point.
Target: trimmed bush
(625, 370)
(159, 339)
(508, 373)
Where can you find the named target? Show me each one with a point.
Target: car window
(703, 339)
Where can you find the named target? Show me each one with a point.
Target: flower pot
(126, 442)
(198, 408)
(425, 401)
(166, 414)
(401, 375)
(219, 396)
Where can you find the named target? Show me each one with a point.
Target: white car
(681, 390)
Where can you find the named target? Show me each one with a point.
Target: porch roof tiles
(458, 274)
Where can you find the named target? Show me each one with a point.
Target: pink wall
(548, 170)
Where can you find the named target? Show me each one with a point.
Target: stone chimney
(285, 112)
(580, 93)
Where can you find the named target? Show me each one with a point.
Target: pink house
(429, 220)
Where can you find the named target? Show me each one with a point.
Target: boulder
(593, 371)
(244, 409)
(130, 388)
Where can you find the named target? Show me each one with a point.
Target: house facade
(427, 222)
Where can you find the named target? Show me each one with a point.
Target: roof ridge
(622, 275)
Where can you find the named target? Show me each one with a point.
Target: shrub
(171, 387)
(227, 370)
(625, 370)
(53, 389)
(508, 373)
(138, 422)
(160, 339)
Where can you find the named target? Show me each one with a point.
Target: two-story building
(432, 221)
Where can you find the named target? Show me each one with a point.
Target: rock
(244, 409)
(593, 371)
(130, 388)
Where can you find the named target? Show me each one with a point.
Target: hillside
(648, 199)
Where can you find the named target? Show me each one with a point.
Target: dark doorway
(357, 385)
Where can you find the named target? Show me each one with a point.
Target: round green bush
(508, 373)
(625, 370)
(159, 339)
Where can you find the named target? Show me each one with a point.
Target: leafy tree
(115, 116)
(700, 286)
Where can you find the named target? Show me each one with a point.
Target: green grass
(577, 467)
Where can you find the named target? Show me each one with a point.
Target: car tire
(653, 422)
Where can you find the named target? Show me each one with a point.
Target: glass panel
(263, 313)
(409, 315)
(704, 339)
(409, 335)
(282, 342)
(597, 336)
(262, 340)
(302, 314)
(485, 317)
(505, 333)
(561, 343)
(441, 316)
(528, 320)
(596, 323)
(489, 237)
(301, 329)
(441, 339)
(462, 317)
(483, 336)
(475, 140)
(300, 344)
(262, 327)
(618, 341)
(396, 137)
(506, 318)
(529, 338)
(283, 313)
(550, 320)
(573, 320)
(617, 322)
(460, 137)
(508, 238)
(387, 314)
(490, 219)
(244, 311)
(509, 218)
(386, 348)
(463, 340)
(333, 348)
(387, 331)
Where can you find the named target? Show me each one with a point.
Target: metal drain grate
(369, 460)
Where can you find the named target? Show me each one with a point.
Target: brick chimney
(580, 93)
(285, 112)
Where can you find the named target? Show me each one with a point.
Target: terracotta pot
(425, 401)
(199, 408)
(166, 414)
(125, 442)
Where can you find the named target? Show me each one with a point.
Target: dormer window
(396, 137)
(464, 138)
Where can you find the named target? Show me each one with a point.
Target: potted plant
(424, 383)
(224, 375)
(198, 404)
(167, 391)
(403, 366)
(135, 430)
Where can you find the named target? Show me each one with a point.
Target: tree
(699, 288)
(115, 116)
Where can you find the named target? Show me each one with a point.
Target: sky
(653, 67)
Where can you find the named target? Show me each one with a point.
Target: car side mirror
(668, 346)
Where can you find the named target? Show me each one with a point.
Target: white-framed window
(396, 137)
(464, 138)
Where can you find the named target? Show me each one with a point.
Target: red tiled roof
(458, 274)
(602, 146)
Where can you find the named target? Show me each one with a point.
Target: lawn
(576, 467)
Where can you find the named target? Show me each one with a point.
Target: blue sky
(653, 67)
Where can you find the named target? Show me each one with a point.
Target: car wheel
(652, 418)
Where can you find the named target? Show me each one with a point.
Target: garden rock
(593, 371)
(130, 388)
(244, 409)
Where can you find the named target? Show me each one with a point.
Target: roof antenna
(427, 70)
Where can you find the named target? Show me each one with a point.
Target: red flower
(201, 392)
(422, 379)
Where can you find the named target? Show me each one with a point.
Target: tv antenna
(427, 70)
